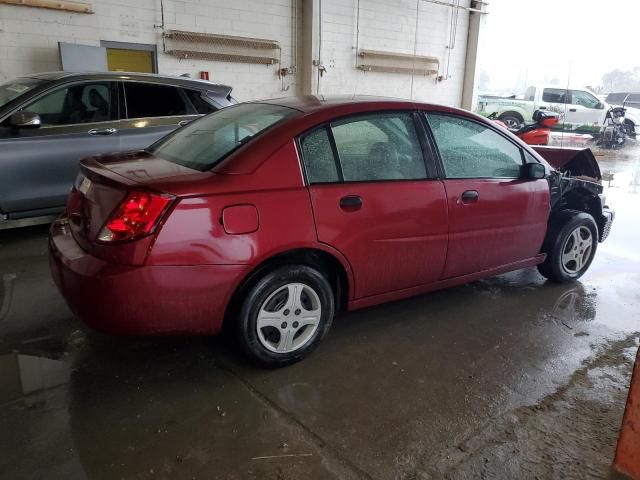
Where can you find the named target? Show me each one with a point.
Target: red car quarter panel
(220, 228)
(194, 233)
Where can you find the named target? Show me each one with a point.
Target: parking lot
(510, 377)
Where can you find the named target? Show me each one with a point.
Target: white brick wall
(29, 36)
(390, 26)
(29, 41)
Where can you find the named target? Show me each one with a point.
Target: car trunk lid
(102, 185)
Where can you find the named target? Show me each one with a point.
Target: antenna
(566, 97)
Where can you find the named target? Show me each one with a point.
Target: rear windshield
(17, 87)
(204, 143)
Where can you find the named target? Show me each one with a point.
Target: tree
(621, 80)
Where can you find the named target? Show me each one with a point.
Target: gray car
(48, 122)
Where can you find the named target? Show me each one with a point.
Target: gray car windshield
(204, 143)
(17, 87)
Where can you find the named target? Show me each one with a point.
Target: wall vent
(222, 48)
(391, 62)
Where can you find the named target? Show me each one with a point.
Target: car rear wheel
(285, 315)
(570, 247)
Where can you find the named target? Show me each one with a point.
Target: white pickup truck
(579, 108)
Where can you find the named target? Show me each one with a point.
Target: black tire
(630, 129)
(273, 283)
(557, 243)
(511, 119)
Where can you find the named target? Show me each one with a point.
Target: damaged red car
(272, 217)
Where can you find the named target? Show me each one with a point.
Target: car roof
(318, 103)
(220, 89)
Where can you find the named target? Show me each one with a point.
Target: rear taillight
(135, 217)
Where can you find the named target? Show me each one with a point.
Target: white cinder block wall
(29, 36)
(390, 25)
(29, 41)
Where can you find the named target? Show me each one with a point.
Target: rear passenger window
(320, 162)
(199, 103)
(149, 100)
(379, 147)
(369, 148)
(472, 150)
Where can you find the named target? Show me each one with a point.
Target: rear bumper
(143, 300)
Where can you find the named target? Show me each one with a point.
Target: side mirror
(533, 171)
(600, 106)
(25, 119)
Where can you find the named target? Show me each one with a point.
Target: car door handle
(102, 131)
(572, 109)
(543, 108)
(469, 196)
(351, 203)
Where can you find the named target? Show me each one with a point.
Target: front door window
(585, 99)
(471, 150)
(76, 104)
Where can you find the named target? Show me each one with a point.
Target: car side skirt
(441, 284)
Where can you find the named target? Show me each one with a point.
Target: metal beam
(469, 9)
(75, 7)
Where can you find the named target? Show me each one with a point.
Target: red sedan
(274, 216)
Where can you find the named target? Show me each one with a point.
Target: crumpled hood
(574, 162)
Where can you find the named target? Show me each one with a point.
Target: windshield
(17, 87)
(202, 144)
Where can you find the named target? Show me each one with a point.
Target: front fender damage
(576, 185)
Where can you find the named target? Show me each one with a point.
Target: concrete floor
(505, 378)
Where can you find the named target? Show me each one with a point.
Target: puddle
(23, 375)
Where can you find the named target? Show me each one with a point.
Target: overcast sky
(571, 41)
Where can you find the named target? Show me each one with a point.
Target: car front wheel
(285, 315)
(570, 247)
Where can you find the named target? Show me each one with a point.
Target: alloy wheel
(288, 318)
(576, 251)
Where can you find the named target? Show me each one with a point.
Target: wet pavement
(511, 377)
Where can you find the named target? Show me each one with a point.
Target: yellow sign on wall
(121, 60)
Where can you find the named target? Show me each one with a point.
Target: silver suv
(48, 122)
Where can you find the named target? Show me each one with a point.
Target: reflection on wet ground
(510, 377)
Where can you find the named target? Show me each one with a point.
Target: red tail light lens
(136, 217)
